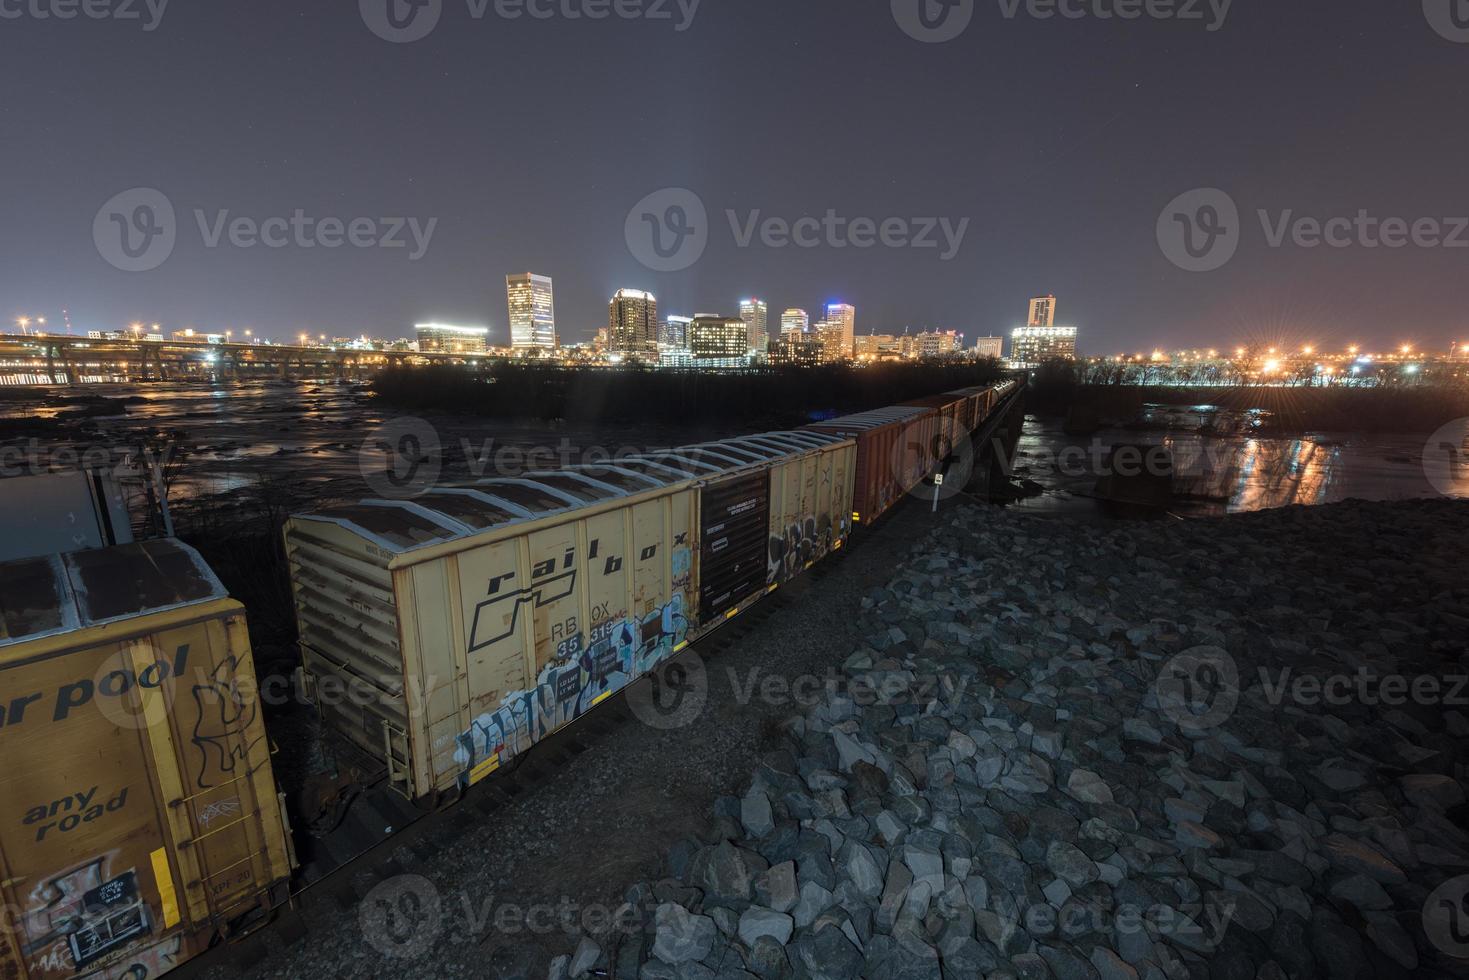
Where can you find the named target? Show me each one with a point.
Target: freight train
(139, 819)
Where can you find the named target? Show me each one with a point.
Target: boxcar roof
(61, 593)
(446, 514)
(874, 419)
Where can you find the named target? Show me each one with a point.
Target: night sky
(1061, 141)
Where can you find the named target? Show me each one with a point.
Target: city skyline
(250, 155)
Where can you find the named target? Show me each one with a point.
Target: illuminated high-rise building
(794, 322)
(843, 318)
(719, 341)
(445, 338)
(1033, 346)
(674, 334)
(756, 315)
(632, 323)
(1042, 312)
(532, 312)
(990, 347)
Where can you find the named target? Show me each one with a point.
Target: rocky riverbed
(1227, 749)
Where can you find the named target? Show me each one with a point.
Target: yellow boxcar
(139, 818)
(483, 618)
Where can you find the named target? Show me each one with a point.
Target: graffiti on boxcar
(501, 733)
(588, 669)
(222, 726)
(800, 544)
(81, 915)
(154, 961)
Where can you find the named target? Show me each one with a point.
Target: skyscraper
(1042, 312)
(719, 341)
(794, 322)
(843, 318)
(1033, 346)
(532, 312)
(632, 323)
(756, 315)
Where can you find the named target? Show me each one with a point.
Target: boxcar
(891, 454)
(139, 819)
(488, 616)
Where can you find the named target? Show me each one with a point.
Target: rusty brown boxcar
(139, 819)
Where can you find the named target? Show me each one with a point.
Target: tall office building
(445, 338)
(1033, 346)
(674, 334)
(835, 346)
(632, 323)
(794, 321)
(843, 318)
(1042, 312)
(990, 347)
(532, 312)
(719, 341)
(756, 315)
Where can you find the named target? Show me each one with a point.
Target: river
(1222, 468)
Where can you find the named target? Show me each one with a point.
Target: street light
(24, 322)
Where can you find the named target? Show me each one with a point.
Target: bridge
(51, 359)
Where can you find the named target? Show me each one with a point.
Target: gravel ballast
(1225, 749)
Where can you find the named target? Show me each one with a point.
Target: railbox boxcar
(139, 819)
(485, 617)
